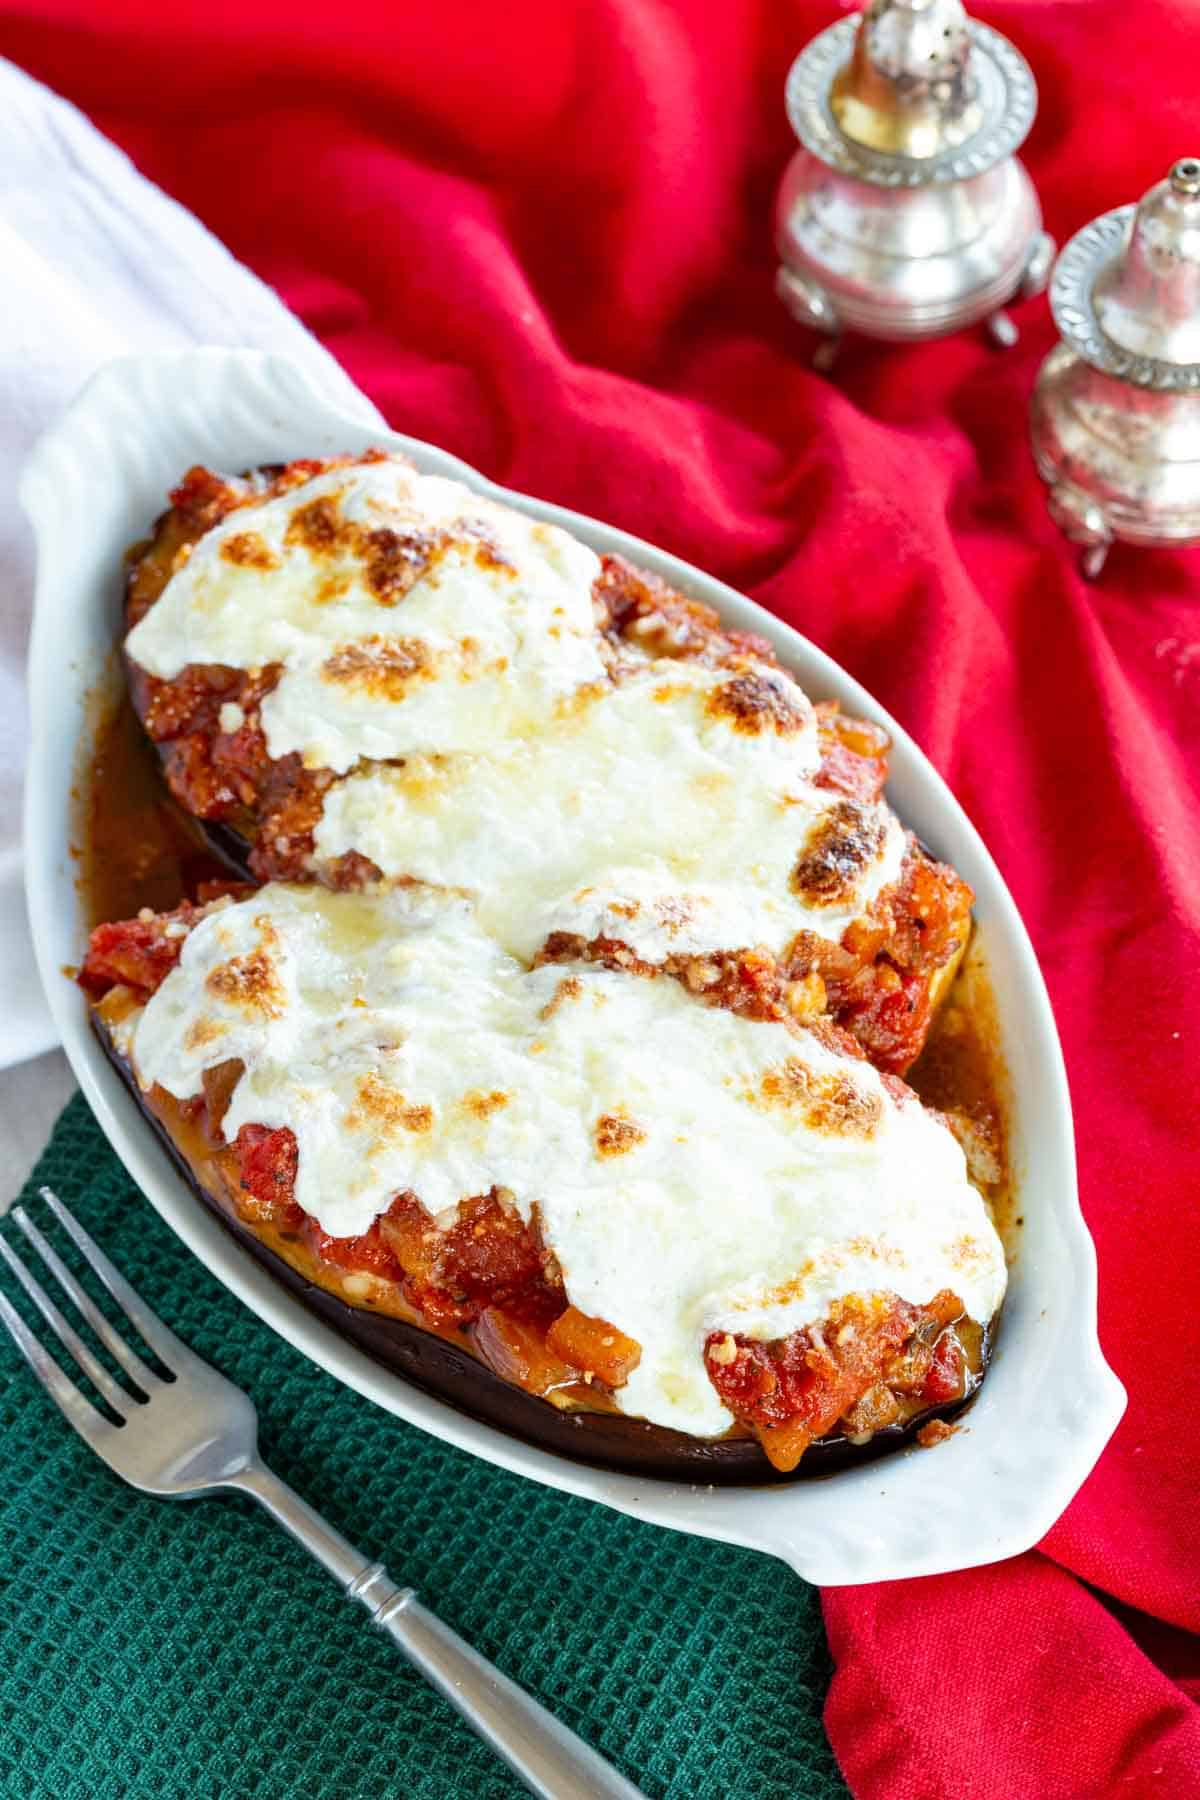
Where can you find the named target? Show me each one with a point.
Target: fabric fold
(97, 263)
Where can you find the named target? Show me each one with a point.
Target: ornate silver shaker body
(1115, 417)
(905, 214)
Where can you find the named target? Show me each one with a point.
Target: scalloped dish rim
(993, 1489)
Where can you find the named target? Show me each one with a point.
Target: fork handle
(549, 1759)
(552, 1762)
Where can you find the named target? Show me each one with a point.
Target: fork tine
(68, 1337)
(112, 1340)
(169, 1349)
(70, 1402)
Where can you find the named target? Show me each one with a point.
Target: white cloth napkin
(95, 262)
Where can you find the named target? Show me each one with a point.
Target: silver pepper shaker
(906, 214)
(1115, 416)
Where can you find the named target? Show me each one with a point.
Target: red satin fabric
(539, 234)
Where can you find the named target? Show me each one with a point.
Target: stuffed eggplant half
(615, 1197)
(354, 672)
(557, 1057)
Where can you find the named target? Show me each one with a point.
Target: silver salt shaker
(905, 213)
(1115, 416)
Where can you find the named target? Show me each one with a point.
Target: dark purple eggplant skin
(446, 1372)
(228, 845)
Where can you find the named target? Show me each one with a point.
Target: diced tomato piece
(408, 1230)
(920, 922)
(751, 986)
(205, 497)
(134, 953)
(367, 1254)
(490, 1256)
(945, 1379)
(490, 1246)
(267, 1164)
(854, 754)
(743, 1373)
(891, 1021)
(859, 777)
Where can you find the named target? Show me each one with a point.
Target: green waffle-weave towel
(194, 1651)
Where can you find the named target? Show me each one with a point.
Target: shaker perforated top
(1126, 290)
(911, 92)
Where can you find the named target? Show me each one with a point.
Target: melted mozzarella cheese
(643, 810)
(693, 1171)
(439, 651)
(495, 627)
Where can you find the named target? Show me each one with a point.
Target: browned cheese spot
(876, 1248)
(784, 1291)
(396, 561)
(965, 1251)
(829, 1103)
(393, 561)
(380, 1106)
(249, 982)
(838, 853)
(331, 587)
(482, 1105)
(579, 702)
(569, 988)
(483, 546)
(246, 550)
(616, 1135)
(755, 704)
(317, 525)
(202, 1032)
(384, 668)
(469, 651)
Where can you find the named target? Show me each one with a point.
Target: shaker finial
(909, 89)
(1116, 409)
(1148, 299)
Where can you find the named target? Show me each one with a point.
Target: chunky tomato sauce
(874, 1362)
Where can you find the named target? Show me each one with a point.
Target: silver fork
(195, 1433)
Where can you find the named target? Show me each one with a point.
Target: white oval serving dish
(1050, 1402)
